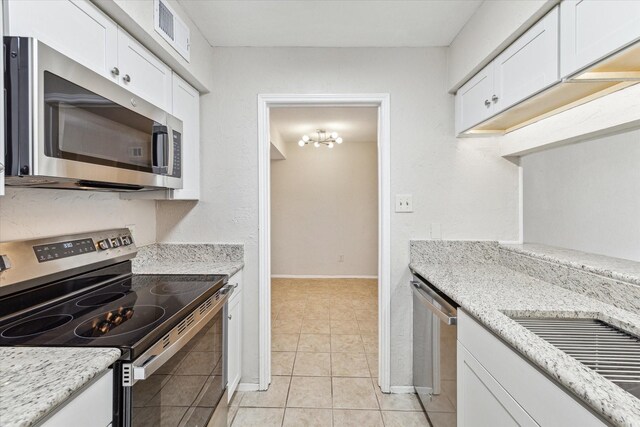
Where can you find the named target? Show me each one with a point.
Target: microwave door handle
(160, 148)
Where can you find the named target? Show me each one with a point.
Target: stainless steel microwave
(67, 126)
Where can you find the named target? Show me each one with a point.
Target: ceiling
(312, 23)
(353, 124)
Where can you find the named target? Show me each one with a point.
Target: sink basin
(611, 352)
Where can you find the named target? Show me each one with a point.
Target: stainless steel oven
(181, 380)
(434, 348)
(66, 126)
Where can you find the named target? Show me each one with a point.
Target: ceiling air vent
(173, 29)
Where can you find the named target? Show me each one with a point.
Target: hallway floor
(324, 361)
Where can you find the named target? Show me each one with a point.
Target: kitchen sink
(611, 352)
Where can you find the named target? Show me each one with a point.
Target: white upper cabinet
(592, 29)
(142, 73)
(473, 100)
(529, 65)
(76, 28)
(186, 107)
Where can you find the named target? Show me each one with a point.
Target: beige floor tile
(404, 419)
(258, 417)
(286, 326)
(315, 326)
(315, 343)
(369, 314)
(289, 314)
(344, 327)
(353, 393)
(274, 397)
(356, 418)
(342, 314)
(443, 419)
(231, 414)
(365, 304)
(372, 362)
(397, 402)
(282, 362)
(368, 326)
(370, 343)
(310, 392)
(237, 397)
(440, 403)
(450, 389)
(317, 314)
(312, 364)
(346, 344)
(299, 417)
(284, 342)
(349, 365)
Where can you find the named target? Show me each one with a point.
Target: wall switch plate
(404, 203)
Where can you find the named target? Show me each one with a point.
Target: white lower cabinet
(234, 335)
(498, 387)
(93, 406)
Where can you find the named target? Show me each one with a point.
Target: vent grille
(165, 20)
(190, 319)
(166, 340)
(607, 350)
(182, 326)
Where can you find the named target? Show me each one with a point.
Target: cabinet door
(186, 107)
(473, 100)
(529, 65)
(142, 73)
(75, 28)
(481, 400)
(593, 29)
(234, 342)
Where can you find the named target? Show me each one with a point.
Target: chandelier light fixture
(322, 138)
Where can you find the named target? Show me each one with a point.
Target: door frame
(382, 101)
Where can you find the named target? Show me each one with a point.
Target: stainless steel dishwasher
(434, 349)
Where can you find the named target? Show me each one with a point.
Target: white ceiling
(353, 124)
(313, 23)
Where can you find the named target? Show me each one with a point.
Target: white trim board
(382, 101)
(247, 387)
(316, 276)
(402, 389)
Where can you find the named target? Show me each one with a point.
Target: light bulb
(305, 138)
(334, 135)
(330, 145)
(316, 144)
(301, 143)
(339, 140)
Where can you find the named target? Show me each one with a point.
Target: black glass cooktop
(131, 313)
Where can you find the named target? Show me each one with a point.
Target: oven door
(67, 123)
(183, 382)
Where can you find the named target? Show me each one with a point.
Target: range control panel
(58, 250)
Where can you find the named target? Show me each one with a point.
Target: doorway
(380, 102)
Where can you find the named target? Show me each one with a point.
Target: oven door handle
(159, 353)
(446, 312)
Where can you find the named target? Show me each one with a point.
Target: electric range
(79, 291)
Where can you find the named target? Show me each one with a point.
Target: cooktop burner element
(120, 321)
(36, 325)
(99, 299)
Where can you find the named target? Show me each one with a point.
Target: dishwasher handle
(446, 312)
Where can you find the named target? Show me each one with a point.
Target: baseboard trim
(401, 389)
(248, 387)
(317, 276)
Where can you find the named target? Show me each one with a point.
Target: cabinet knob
(229, 317)
(127, 78)
(487, 103)
(494, 98)
(115, 71)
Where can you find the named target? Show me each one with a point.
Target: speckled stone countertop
(472, 275)
(189, 258)
(34, 381)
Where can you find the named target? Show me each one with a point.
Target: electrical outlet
(404, 203)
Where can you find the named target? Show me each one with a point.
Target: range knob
(126, 240)
(115, 242)
(104, 244)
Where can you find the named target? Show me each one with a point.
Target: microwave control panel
(177, 155)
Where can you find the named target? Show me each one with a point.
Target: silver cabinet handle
(115, 71)
(229, 317)
(127, 78)
(487, 103)
(446, 312)
(494, 98)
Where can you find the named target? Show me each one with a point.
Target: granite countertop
(35, 380)
(487, 290)
(189, 267)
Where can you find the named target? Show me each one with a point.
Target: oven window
(187, 388)
(81, 125)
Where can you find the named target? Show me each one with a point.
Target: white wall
(494, 26)
(586, 196)
(324, 203)
(465, 186)
(31, 212)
